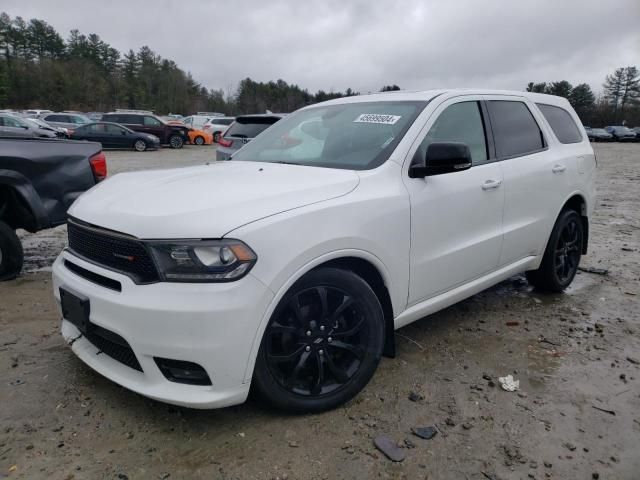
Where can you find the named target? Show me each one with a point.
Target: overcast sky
(335, 44)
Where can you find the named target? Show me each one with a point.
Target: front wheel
(176, 141)
(199, 141)
(11, 255)
(562, 255)
(140, 145)
(322, 344)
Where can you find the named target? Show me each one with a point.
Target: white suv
(289, 267)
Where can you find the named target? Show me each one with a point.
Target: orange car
(199, 137)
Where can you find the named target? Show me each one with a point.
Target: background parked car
(599, 135)
(112, 135)
(173, 135)
(621, 133)
(12, 126)
(70, 121)
(637, 132)
(217, 126)
(195, 121)
(242, 131)
(58, 131)
(200, 137)
(35, 113)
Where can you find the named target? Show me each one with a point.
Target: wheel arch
(369, 267)
(20, 205)
(578, 203)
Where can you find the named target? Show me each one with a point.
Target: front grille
(93, 277)
(113, 345)
(113, 251)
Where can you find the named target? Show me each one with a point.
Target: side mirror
(123, 132)
(443, 157)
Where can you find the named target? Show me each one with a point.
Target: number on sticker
(377, 118)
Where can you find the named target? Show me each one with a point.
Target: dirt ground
(576, 355)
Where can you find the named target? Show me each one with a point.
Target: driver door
(456, 218)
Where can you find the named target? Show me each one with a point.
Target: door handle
(491, 184)
(558, 168)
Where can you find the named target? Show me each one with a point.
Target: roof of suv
(425, 95)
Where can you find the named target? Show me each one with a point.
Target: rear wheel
(199, 141)
(11, 255)
(140, 145)
(562, 255)
(176, 141)
(322, 344)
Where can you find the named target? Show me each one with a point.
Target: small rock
(293, 444)
(569, 445)
(595, 475)
(388, 446)
(450, 422)
(415, 397)
(548, 464)
(633, 360)
(408, 443)
(129, 435)
(467, 426)
(425, 432)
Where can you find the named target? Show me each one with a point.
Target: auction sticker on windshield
(377, 118)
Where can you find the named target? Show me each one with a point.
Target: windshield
(354, 136)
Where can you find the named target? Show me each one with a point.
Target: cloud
(336, 44)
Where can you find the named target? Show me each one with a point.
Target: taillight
(224, 142)
(98, 164)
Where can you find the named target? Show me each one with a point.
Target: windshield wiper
(285, 163)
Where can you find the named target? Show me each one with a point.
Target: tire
(216, 137)
(199, 140)
(176, 141)
(11, 255)
(139, 145)
(562, 255)
(297, 344)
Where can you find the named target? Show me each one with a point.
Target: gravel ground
(576, 355)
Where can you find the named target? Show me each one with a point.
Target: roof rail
(211, 114)
(127, 110)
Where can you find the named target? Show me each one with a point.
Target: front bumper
(212, 324)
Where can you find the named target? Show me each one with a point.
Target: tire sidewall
(355, 286)
(564, 218)
(199, 141)
(135, 145)
(12, 254)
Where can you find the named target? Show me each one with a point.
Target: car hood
(207, 201)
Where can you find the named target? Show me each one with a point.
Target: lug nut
(308, 333)
(322, 328)
(307, 348)
(329, 339)
(321, 352)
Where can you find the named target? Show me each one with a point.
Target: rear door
(535, 176)
(153, 126)
(456, 218)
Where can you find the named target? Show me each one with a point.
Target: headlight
(202, 260)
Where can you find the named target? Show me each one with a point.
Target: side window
(10, 122)
(561, 123)
(113, 129)
(461, 122)
(151, 122)
(515, 131)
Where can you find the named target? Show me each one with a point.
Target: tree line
(618, 104)
(41, 69)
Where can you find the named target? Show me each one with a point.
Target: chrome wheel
(199, 141)
(140, 145)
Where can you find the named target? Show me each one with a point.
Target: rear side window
(250, 127)
(561, 123)
(515, 130)
(56, 118)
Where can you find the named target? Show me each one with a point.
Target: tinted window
(515, 130)
(114, 129)
(55, 118)
(221, 121)
(12, 122)
(250, 127)
(151, 122)
(561, 123)
(461, 122)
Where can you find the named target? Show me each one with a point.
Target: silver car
(242, 131)
(12, 126)
(70, 121)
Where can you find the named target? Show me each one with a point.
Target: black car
(621, 134)
(637, 132)
(173, 135)
(113, 135)
(599, 135)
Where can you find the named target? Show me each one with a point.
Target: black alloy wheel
(562, 256)
(322, 344)
(176, 141)
(199, 141)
